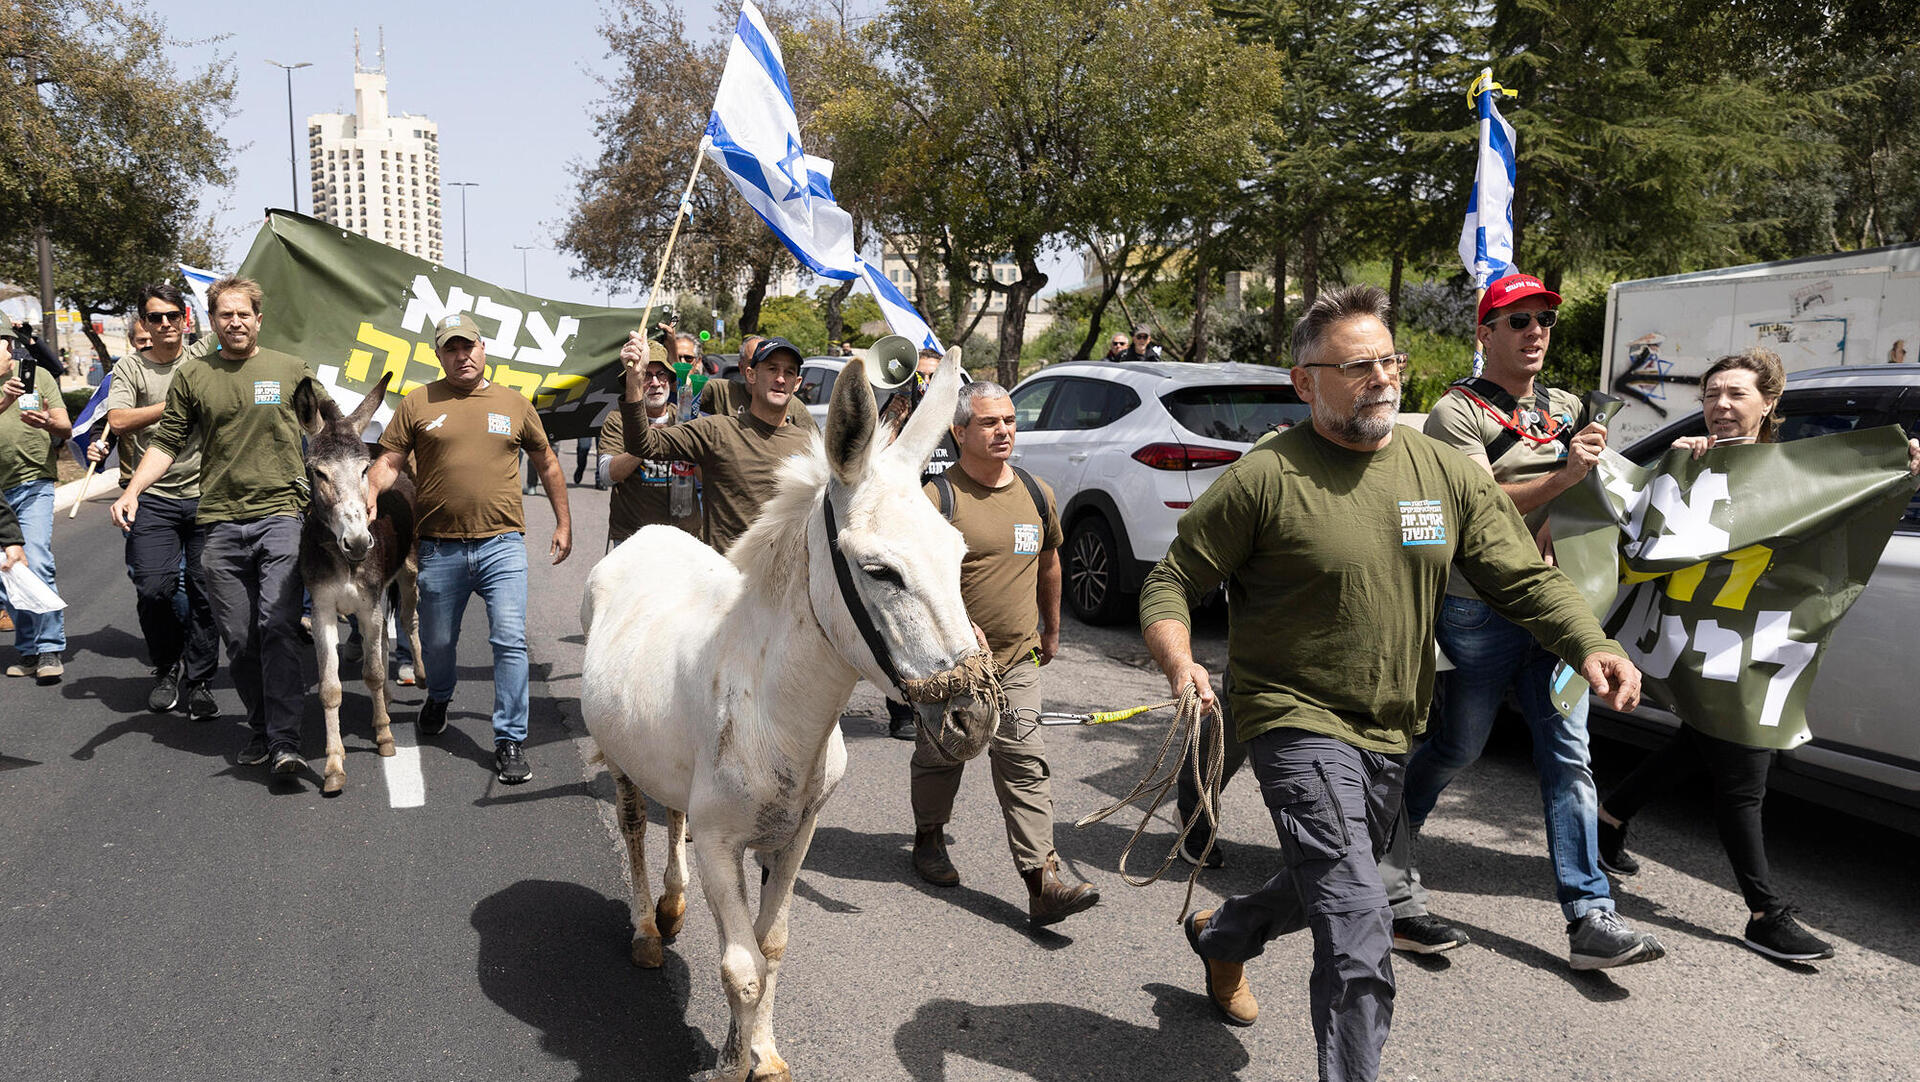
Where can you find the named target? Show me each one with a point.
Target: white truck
(1850, 308)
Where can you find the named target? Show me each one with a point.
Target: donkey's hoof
(771, 1069)
(670, 914)
(385, 747)
(647, 952)
(335, 781)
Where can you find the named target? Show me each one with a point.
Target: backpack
(945, 488)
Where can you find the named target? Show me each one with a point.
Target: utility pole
(524, 249)
(293, 160)
(463, 185)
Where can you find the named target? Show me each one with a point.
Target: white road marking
(406, 785)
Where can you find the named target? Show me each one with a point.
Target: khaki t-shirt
(466, 450)
(138, 382)
(251, 465)
(723, 397)
(739, 457)
(644, 498)
(1000, 575)
(1468, 427)
(28, 453)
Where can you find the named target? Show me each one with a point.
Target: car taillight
(1180, 456)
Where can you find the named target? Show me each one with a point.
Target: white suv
(1127, 448)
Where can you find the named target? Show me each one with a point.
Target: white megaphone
(892, 361)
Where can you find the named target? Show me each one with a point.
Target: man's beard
(1358, 426)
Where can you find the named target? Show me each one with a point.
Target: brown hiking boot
(1050, 901)
(930, 858)
(1226, 981)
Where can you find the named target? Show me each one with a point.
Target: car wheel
(1093, 588)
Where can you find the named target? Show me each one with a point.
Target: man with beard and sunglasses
(1335, 540)
(1526, 436)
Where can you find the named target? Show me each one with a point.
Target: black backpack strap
(1497, 397)
(1039, 498)
(945, 488)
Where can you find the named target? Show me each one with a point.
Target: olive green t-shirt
(251, 465)
(1000, 574)
(466, 452)
(739, 456)
(28, 453)
(138, 382)
(644, 498)
(1336, 564)
(722, 397)
(1468, 427)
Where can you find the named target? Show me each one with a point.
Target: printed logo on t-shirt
(1422, 523)
(499, 424)
(266, 392)
(1026, 538)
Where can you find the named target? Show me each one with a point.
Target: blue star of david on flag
(795, 156)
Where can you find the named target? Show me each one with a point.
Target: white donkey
(714, 684)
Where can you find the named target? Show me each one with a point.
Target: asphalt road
(168, 915)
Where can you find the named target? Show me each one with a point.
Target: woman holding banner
(1740, 399)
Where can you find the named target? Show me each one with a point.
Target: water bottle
(680, 490)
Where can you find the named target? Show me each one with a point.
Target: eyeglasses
(162, 317)
(651, 376)
(1519, 320)
(1393, 365)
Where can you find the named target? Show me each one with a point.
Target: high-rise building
(378, 174)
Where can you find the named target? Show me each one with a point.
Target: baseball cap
(457, 325)
(1511, 290)
(771, 346)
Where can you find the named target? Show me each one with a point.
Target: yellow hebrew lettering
(394, 346)
(559, 390)
(1682, 583)
(423, 356)
(1748, 564)
(527, 383)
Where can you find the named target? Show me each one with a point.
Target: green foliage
(796, 319)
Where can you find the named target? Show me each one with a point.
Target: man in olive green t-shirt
(465, 434)
(33, 423)
(643, 491)
(1010, 582)
(1335, 540)
(238, 402)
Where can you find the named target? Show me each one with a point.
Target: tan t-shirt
(138, 382)
(723, 397)
(644, 498)
(466, 456)
(739, 458)
(1468, 427)
(1000, 575)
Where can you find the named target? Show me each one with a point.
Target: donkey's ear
(933, 415)
(363, 413)
(306, 407)
(851, 418)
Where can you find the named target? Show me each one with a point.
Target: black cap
(775, 345)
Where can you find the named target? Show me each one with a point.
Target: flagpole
(92, 468)
(686, 205)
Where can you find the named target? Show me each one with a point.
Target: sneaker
(255, 752)
(50, 671)
(510, 763)
(165, 694)
(1226, 981)
(1778, 935)
(1425, 933)
(405, 676)
(433, 718)
(200, 704)
(1190, 852)
(1614, 858)
(28, 665)
(286, 760)
(1602, 940)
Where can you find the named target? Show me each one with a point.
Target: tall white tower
(378, 174)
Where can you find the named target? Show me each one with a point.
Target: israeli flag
(92, 421)
(197, 282)
(1486, 240)
(754, 136)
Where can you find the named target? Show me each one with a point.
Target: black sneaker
(510, 763)
(1614, 857)
(433, 718)
(200, 704)
(1778, 935)
(1425, 933)
(287, 760)
(255, 752)
(166, 692)
(1602, 940)
(1190, 852)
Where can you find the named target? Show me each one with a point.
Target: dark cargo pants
(1333, 805)
(252, 572)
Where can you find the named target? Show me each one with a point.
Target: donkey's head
(902, 558)
(337, 464)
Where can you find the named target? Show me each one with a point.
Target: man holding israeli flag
(754, 135)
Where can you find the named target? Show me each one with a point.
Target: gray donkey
(348, 563)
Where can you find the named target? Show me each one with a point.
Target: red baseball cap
(1511, 290)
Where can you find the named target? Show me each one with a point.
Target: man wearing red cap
(1529, 437)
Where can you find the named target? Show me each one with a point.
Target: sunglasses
(1520, 320)
(162, 317)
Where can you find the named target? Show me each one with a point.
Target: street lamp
(524, 249)
(463, 185)
(293, 163)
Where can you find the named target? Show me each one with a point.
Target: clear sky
(511, 86)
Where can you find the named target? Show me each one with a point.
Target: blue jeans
(36, 633)
(1491, 654)
(451, 570)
